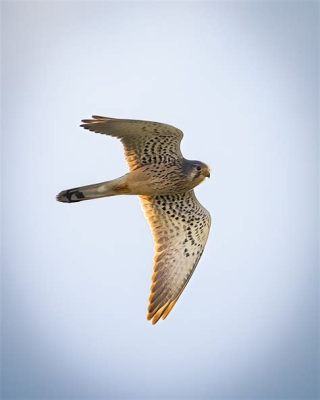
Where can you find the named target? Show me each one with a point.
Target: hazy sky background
(241, 80)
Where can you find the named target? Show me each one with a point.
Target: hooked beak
(206, 173)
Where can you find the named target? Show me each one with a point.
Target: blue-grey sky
(241, 80)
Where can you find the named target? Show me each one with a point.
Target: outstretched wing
(145, 142)
(180, 227)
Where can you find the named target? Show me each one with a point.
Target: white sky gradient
(241, 80)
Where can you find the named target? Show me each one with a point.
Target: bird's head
(197, 171)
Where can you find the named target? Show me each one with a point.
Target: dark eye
(198, 168)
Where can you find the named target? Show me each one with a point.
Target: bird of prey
(164, 181)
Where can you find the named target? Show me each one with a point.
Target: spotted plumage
(164, 181)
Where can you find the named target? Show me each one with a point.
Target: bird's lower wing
(180, 227)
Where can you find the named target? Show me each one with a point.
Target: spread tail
(89, 192)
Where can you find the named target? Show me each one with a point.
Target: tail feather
(89, 192)
(71, 195)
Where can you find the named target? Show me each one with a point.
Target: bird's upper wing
(145, 142)
(180, 227)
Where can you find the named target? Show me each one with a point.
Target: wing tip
(90, 123)
(162, 312)
(100, 117)
(96, 118)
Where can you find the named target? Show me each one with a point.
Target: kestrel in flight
(164, 181)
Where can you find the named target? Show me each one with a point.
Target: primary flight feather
(164, 181)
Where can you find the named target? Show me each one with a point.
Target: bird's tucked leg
(104, 189)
